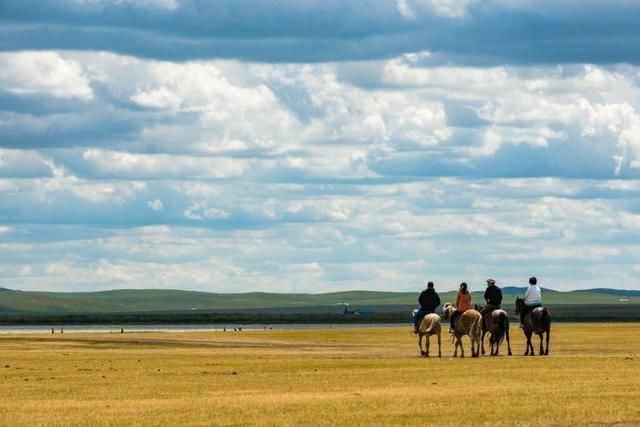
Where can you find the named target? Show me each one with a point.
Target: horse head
(519, 304)
(447, 310)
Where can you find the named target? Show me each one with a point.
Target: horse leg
(541, 346)
(528, 335)
(455, 347)
(420, 344)
(475, 345)
(546, 352)
(461, 346)
(508, 342)
(484, 332)
(428, 339)
(439, 347)
(532, 353)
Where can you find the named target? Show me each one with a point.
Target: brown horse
(497, 324)
(429, 325)
(470, 323)
(537, 321)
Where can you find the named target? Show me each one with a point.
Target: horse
(497, 324)
(429, 325)
(470, 323)
(537, 321)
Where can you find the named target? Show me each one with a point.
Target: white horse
(429, 325)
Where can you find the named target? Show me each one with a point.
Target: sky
(319, 145)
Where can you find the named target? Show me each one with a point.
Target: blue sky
(312, 146)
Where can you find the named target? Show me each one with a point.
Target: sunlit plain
(366, 376)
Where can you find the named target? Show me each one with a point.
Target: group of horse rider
(429, 301)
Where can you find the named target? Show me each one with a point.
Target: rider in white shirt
(532, 299)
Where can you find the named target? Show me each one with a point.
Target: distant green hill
(153, 300)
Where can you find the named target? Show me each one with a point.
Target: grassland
(316, 377)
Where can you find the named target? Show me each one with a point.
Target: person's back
(429, 300)
(533, 295)
(493, 295)
(532, 299)
(463, 301)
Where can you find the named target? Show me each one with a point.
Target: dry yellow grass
(324, 377)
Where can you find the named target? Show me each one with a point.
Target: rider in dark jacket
(492, 296)
(429, 300)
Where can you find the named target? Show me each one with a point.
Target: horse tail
(501, 329)
(476, 326)
(546, 318)
(432, 324)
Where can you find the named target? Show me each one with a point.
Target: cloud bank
(318, 146)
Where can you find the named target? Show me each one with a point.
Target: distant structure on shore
(346, 310)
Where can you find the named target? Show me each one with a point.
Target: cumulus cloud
(376, 145)
(43, 73)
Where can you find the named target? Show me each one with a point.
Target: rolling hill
(153, 300)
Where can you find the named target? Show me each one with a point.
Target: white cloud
(446, 8)
(281, 165)
(117, 163)
(199, 211)
(155, 205)
(169, 5)
(160, 98)
(43, 73)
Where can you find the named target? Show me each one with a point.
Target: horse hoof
(510, 354)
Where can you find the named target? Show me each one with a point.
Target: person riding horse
(495, 321)
(493, 298)
(429, 300)
(534, 319)
(463, 303)
(532, 299)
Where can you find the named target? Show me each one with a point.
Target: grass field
(316, 377)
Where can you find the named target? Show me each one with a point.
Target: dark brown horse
(497, 324)
(537, 321)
